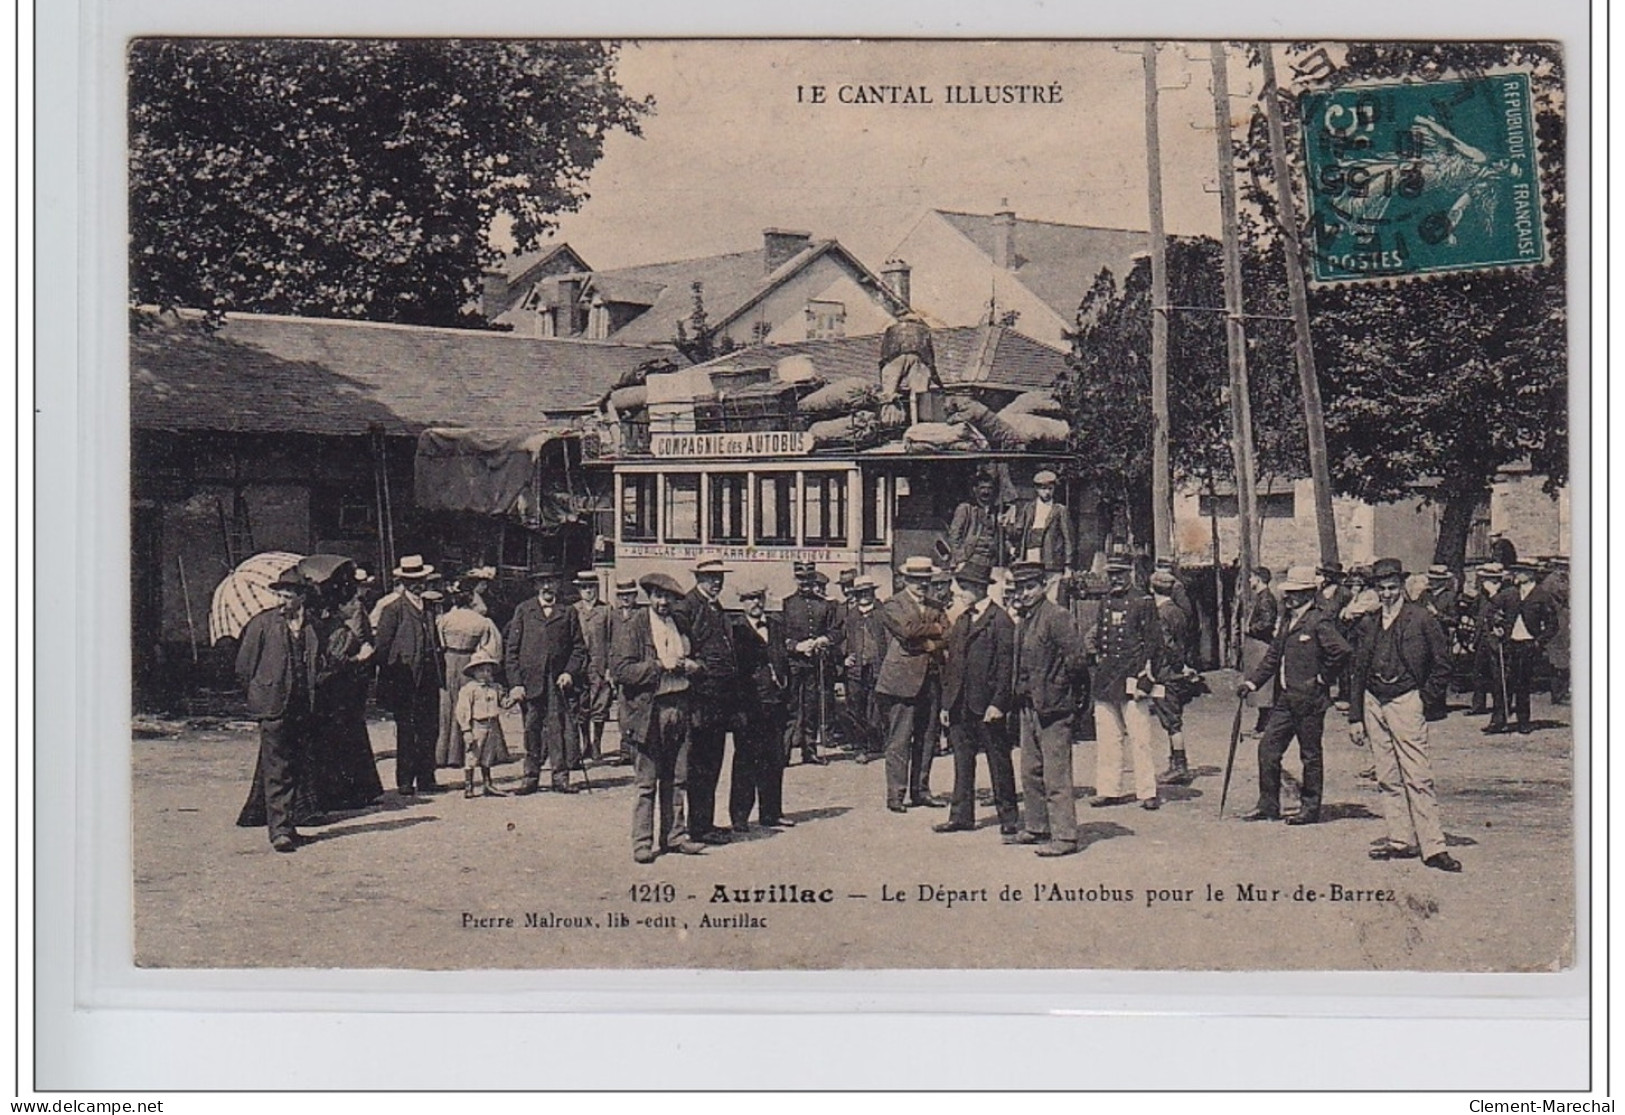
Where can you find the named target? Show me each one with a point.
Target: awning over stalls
(533, 478)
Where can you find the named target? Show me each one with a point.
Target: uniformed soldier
(813, 636)
(865, 644)
(1127, 645)
(1169, 707)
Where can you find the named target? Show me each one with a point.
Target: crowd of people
(941, 666)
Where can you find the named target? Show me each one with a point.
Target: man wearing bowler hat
(410, 676)
(905, 686)
(977, 700)
(652, 666)
(278, 657)
(757, 780)
(1050, 669)
(545, 657)
(1401, 661)
(1308, 651)
(712, 703)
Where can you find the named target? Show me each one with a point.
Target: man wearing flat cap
(410, 676)
(278, 657)
(906, 686)
(1308, 651)
(1401, 660)
(651, 664)
(712, 697)
(545, 657)
(1041, 531)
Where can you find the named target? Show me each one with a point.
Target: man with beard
(592, 699)
(757, 780)
(977, 696)
(544, 653)
(1127, 643)
(865, 641)
(410, 676)
(712, 700)
(1049, 670)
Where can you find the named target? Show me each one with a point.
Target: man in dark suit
(277, 662)
(544, 653)
(977, 698)
(1050, 669)
(1524, 617)
(650, 663)
(1401, 663)
(1309, 650)
(410, 676)
(813, 635)
(762, 671)
(713, 703)
(915, 631)
(1487, 649)
(865, 643)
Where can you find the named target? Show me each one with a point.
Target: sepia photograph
(814, 504)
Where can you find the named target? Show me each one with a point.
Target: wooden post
(1162, 497)
(1235, 335)
(1314, 416)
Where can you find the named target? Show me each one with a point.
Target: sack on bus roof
(1035, 402)
(939, 435)
(842, 396)
(1036, 431)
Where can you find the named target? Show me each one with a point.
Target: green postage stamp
(1422, 179)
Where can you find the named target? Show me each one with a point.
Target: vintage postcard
(802, 504)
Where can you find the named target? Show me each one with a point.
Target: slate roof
(732, 282)
(270, 374)
(991, 355)
(514, 268)
(1057, 262)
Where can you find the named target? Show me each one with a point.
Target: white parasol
(245, 593)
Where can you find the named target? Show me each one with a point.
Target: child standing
(479, 703)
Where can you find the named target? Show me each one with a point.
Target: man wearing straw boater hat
(712, 699)
(915, 631)
(651, 664)
(545, 657)
(277, 660)
(410, 676)
(1402, 660)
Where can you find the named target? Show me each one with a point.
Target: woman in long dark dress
(344, 770)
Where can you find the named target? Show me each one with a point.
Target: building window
(876, 508)
(775, 509)
(343, 513)
(682, 511)
(1271, 505)
(825, 320)
(824, 508)
(638, 522)
(727, 507)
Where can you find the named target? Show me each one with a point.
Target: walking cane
(1506, 703)
(823, 704)
(1230, 763)
(572, 731)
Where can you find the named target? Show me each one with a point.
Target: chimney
(896, 274)
(1004, 236)
(494, 293)
(780, 245)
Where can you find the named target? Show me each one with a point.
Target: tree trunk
(1451, 548)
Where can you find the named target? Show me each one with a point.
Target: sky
(729, 150)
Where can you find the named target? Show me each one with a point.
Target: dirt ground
(445, 883)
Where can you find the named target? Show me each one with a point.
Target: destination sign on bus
(759, 443)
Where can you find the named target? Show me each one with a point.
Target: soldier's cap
(1026, 572)
(652, 583)
(711, 565)
(624, 587)
(1119, 563)
(1162, 580)
(1387, 569)
(917, 568)
(1300, 578)
(1492, 569)
(865, 584)
(1044, 476)
(974, 572)
(757, 593)
(1438, 573)
(805, 570)
(587, 577)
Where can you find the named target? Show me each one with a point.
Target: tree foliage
(698, 340)
(355, 178)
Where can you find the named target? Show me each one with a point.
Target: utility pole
(1314, 416)
(1235, 335)
(1162, 494)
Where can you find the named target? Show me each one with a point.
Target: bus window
(824, 507)
(727, 507)
(682, 507)
(775, 509)
(876, 508)
(638, 507)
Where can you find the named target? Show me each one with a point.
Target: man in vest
(1041, 531)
